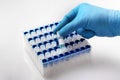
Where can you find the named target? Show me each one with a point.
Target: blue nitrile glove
(89, 20)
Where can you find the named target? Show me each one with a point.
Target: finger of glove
(67, 18)
(78, 22)
(67, 29)
(86, 33)
(62, 23)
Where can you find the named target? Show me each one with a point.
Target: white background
(17, 16)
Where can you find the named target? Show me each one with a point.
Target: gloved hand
(89, 20)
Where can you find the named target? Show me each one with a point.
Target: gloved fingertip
(56, 29)
(54, 32)
(87, 34)
(62, 34)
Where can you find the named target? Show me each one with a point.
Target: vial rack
(50, 52)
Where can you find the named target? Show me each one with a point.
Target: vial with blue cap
(31, 41)
(54, 43)
(71, 53)
(56, 59)
(41, 46)
(53, 27)
(35, 39)
(88, 48)
(46, 28)
(50, 60)
(61, 57)
(69, 47)
(69, 38)
(47, 54)
(32, 33)
(51, 34)
(36, 48)
(48, 37)
(42, 38)
(53, 52)
(40, 55)
(50, 42)
(38, 31)
(66, 54)
(59, 50)
(27, 34)
(45, 64)
(48, 45)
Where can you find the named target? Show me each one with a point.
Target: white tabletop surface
(17, 16)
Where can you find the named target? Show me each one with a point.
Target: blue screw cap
(41, 28)
(45, 42)
(46, 26)
(66, 53)
(51, 33)
(30, 39)
(77, 41)
(38, 53)
(31, 31)
(82, 48)
(39, 44)
(88, 46)
(50, 49)
(50, 41)
(33, 46)
(56, 57)
(45, 34)
(40, 36)
(61, 55)
(71, 43)
(35, 37)
(51, 25)
(44, 60)
(67, 44)
(71, 52)
(25, 33)
(50, 58)
(82, 39)
(56, 23)
(36, 29)
(44, 51)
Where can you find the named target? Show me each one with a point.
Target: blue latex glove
(89, 20)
